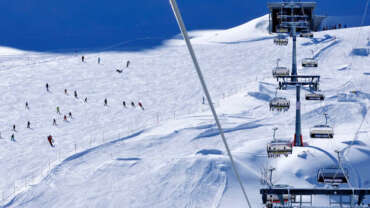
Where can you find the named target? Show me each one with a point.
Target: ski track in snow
(158, 161)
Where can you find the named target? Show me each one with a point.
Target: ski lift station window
(280, 199)
(277, 148)
(322, 131)
(279, 104)
(309, 62)
(332, 175)
(315, 96)
(280, 71)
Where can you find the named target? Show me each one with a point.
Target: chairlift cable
(200, 75)
(344, 173)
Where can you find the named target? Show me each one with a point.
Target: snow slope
(170, 154)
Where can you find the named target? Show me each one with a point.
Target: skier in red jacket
(51, 141)
(141, 105)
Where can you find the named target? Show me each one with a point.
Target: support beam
(298, 140)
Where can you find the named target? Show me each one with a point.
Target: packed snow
(169, 154)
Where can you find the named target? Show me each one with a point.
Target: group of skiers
(121, 70)
(99, 61)
(50, 138)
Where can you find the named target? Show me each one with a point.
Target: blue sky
(90, 24)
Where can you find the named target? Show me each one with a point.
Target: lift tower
(293, 17)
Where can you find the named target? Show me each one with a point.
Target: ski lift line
(201, 79)
(347, 150)
(345, 175)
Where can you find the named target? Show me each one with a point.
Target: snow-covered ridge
(256, 29)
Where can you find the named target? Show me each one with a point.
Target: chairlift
(333, 176)
(281, 40)
(306, 34)
(309, 62)
(322, 131)
(279, 104)
(280, 70)
(276, 148)
(315, 96)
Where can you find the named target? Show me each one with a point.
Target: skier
(141, 105)
(14, 127)
(203, 102)
(132, 104)
(119, 71)
(124, 104)
(105, 102)
(12, 138)
(83, 58)
(47, 87)
(65, 91)
(85, 99)
(54, 122)
(98, 60)
(65, 118)
(70, 114)
(127, 64)
(76, 96)
(58, 110)
(27, 107)
(51, 141)
(28, 124)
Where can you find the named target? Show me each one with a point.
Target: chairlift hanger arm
(184, 32)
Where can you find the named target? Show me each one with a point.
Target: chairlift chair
(280, 71)
(322, 131)
(306, 34)
(278, 147)
(309, 62)
(334, 176)
(315, 96)
(279, 104)
(281, 40)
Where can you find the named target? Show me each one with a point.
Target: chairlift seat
(306, 35)
(280, 71)
(279, 147)
(315, 96)
(309, 62)
(280, 104)
(332, 175)
(281, 41)
(322, 131)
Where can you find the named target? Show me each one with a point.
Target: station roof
(275, 5)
